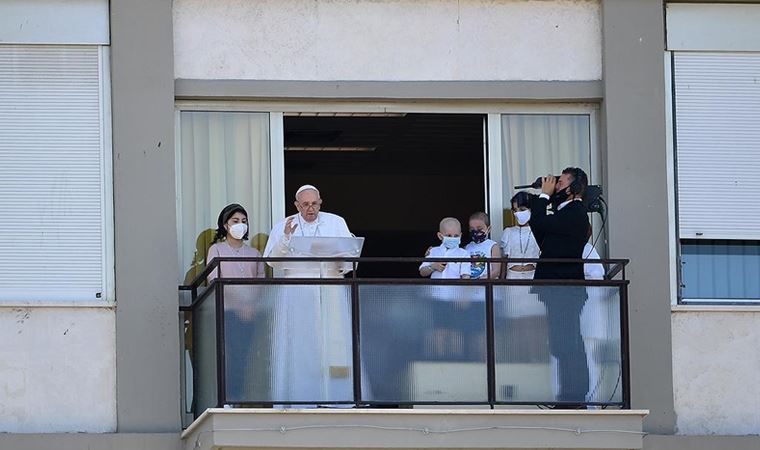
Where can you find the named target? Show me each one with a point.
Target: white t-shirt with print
(477, 251)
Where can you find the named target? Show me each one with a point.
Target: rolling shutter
(51, 173)
(717, 101)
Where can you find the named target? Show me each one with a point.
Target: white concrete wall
(387, 39)
(716, 369)
(57, 370)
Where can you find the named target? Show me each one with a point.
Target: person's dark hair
(522, 198)
(224, 216)
(580, 180)
(480, 215)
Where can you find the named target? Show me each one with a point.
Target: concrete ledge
(414, 429)
(79, 441)
(523, 91)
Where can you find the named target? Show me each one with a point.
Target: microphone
(536, 184)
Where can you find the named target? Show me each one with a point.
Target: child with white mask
(518, 241)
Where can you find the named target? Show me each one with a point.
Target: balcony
(505, 354)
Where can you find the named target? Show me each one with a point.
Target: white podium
(319, 247)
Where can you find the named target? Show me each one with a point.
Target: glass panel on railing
(204, 353)
(423, 343)
(288, 343)
(557, 344)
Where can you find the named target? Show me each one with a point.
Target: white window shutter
(51, 174)
(717, 100)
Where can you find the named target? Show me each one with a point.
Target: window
(720, 270)
(717, 141)
(222, 158)
(55, 220)
(539, 144)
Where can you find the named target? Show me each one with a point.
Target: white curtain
(539, 144)
(223, 158)
(536, 145)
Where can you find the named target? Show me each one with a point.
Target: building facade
(114, 117)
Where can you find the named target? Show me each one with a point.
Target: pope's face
(308, 204)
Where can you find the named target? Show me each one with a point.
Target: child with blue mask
(445, 337)
(450, 235)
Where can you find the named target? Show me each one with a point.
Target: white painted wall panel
(717, 98)
(713, 27)
(415, 40)
(57, 370)
(52, 172)
(715, 366)
(54, 22)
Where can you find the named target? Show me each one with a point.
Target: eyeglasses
(314, 205)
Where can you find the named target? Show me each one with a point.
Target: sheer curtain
(223, 158)
(539, 144)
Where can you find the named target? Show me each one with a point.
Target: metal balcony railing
(373, 342)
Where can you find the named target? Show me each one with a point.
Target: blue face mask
(451, 241)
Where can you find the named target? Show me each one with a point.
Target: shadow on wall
(205, 240)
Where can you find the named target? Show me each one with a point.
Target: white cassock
(600, 327)
(312, 358)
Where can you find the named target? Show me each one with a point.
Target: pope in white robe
(312, 357)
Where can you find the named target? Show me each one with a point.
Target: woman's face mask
(522, 217)
(238, 230)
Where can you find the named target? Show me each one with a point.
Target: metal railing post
(490, 345)
(356, 343)
(221, 398)
(625, 347)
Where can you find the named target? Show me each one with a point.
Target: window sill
(715, 308)
(59, 304)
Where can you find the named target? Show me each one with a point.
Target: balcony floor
(253, 428)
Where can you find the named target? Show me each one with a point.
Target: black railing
(409, 341)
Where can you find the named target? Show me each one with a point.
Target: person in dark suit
(562, 235)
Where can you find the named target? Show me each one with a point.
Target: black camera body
(592, 197)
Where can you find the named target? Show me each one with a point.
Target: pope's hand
(290, 227)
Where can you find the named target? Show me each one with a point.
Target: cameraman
(563, 235)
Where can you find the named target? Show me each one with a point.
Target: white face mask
(238, 230)
(522, 217)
